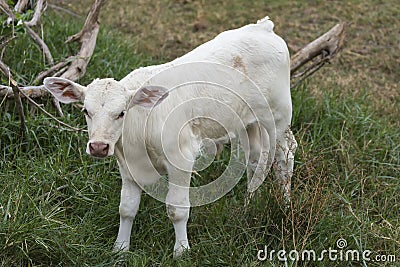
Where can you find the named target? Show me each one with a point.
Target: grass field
(59, 207)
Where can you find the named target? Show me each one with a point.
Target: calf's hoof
(120, 246)
(180, 248)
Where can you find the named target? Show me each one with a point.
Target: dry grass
(369, 64)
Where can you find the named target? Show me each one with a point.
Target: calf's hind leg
(284, 159)
(257, 156)
(178, 206)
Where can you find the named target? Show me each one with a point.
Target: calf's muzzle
(99, 149)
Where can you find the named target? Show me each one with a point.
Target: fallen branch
(40, 90)
(87, 37)
(309, 71)
(77, 64)
(40, 6)
(91, 22)
(5, 42)
(326, 46)
(6, 72)
(21, 5)
(50, 115)
(31, 91)
(8, 11)
(69, 12)
(55, 68)
(42, 44)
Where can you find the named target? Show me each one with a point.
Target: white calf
(257, 57)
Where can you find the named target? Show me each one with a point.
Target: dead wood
(77, 64)
(6, 9)
(39, 8)
(87, 37)
(21, 6)
(15, 90)
(41, 44)
(320, 51)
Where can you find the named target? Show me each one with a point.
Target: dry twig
(69, 12)
(6, 72)
(55, 68)
(21, 5)
(40, 7)
(41, 43)
(326, 46)
(87, 37)
(77, 64)
(6, 9)
(31, 91)
(50, 115)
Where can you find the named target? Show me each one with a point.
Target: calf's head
(105, 103)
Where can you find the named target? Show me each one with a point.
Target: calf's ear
(64, 90)
(148, 96)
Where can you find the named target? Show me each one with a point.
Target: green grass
(59, 207)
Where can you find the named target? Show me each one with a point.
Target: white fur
(254, 50)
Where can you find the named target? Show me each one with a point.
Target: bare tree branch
(87, 37)
(309, 71)
(41, 44)
(57, 106)
(50, 115)
(6, 9)
(77, 68)
(21, 5)
(327, 45)
(77, 64)
(69, 12)
(91, 22)
(40, 7)
(31, 91)
(6, 72)
(53, 69)
(5, 42)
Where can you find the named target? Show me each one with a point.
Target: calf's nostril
(105, 147)
(91, 147)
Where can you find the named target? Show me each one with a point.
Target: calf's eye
(121, 115)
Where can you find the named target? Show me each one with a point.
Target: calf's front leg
(129, 205)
